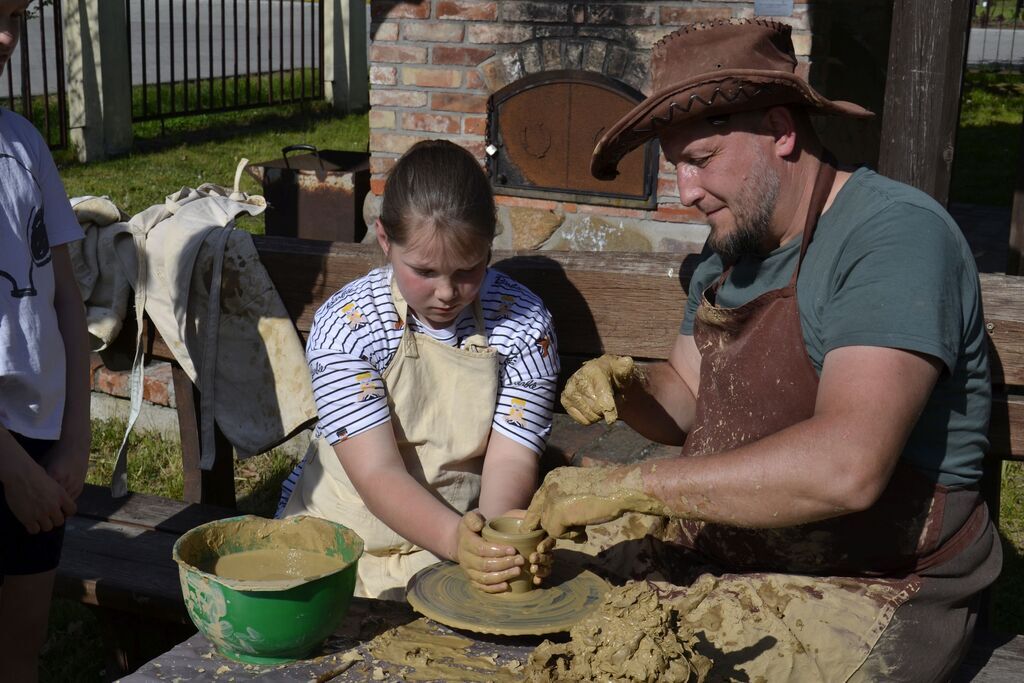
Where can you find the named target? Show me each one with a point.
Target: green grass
(1008, 594)
(988, 141)
(207, 148)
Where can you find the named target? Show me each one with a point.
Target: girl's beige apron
(812, 602)
(442, 402)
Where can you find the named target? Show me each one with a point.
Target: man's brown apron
(843, 599)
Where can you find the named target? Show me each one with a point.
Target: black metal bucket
(317, 196)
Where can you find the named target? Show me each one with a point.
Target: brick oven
(528, 87)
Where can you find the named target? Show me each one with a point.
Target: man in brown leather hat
(830, 372)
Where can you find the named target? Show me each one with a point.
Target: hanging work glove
(589, 394)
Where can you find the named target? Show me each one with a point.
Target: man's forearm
(660, 407)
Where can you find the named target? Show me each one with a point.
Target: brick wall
(434, 63)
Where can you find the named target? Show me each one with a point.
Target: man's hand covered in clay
(573, 497)
(490, 566)
(589, 394)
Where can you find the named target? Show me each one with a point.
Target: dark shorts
(20, 551)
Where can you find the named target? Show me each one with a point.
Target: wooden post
(927, 51)
(1016, 260)
(217, 486)
(346, 67)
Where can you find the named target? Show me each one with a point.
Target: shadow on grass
(1008, 591)
(154, 136)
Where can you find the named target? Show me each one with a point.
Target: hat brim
(720, 93)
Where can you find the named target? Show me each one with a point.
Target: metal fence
(997, 39)
(33, 83)
(192, 57)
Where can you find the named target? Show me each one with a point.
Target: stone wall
(434, 63)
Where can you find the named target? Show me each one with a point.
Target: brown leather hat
(710, 69)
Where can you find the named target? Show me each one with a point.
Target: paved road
(993, 45)
(299, 40)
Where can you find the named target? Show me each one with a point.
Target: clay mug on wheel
(506, 531)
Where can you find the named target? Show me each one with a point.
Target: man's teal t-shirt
(888, 267)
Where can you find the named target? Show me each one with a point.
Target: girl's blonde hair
(440, 184)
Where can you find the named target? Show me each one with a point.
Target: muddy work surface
(365, 648)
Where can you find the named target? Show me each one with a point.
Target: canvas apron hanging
(757, 379)
(442, 402)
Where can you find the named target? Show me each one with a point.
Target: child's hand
(36, 499)
(68, 464)
(488, 566)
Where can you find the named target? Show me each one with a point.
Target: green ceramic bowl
(268, 618)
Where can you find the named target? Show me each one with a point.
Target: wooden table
(196, 660)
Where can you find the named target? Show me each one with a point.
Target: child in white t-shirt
(434, 379)
(44, 378)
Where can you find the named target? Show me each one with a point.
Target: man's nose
(690, 191)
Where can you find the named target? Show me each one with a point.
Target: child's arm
(69, 458)
(38, 501)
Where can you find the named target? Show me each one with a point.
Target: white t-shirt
(355, 335)
(34, 215)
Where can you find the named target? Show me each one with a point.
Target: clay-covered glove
(488, 566)
(589, 394)
(573, 497)
(541, 560)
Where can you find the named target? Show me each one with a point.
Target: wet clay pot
(506, 531)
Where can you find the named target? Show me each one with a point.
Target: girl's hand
(36, 499)
(68, 464)
(541, 560)
(488, 566)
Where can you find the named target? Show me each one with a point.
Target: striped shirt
(357, 331)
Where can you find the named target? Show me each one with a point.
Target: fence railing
(33, 83)
(192, 57)
(997, 39)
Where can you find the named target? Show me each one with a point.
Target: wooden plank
(215, 486)
(601, 301)
(927, 45)
(1006, 428)
(1004, 319)
(149, 512)
(993, 658)
(120, 566)
(1015, 262)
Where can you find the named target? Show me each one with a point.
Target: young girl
(434, 378)
(44, 378)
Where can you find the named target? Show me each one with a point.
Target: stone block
(397, 98)
(498, 34)
(433, 32)
(391, 142)
(431, 78)
(399, 9)
(474, 125)
(532, 227)
(398, 54)
(462, 56)
(383, 75)
(473, 104)
(382, 118)
(542, 12)
(467, 10)
(633, 14)
(386, 32)
(592, 233)
(431, 123)
(594, 55)
(681, 16)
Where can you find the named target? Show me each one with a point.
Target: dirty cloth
(203, 286)
(442, 402)
(102, 281)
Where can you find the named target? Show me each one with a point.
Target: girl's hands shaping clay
(487, 565)
(541, 560)
(589, 394)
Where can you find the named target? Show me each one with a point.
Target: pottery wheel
(443, 593)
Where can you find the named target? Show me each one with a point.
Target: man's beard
(752, 210)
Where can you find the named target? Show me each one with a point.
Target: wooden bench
(117, 553)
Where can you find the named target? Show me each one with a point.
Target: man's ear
(382, 237)
(781, 125)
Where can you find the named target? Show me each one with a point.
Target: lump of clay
(631, 637)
